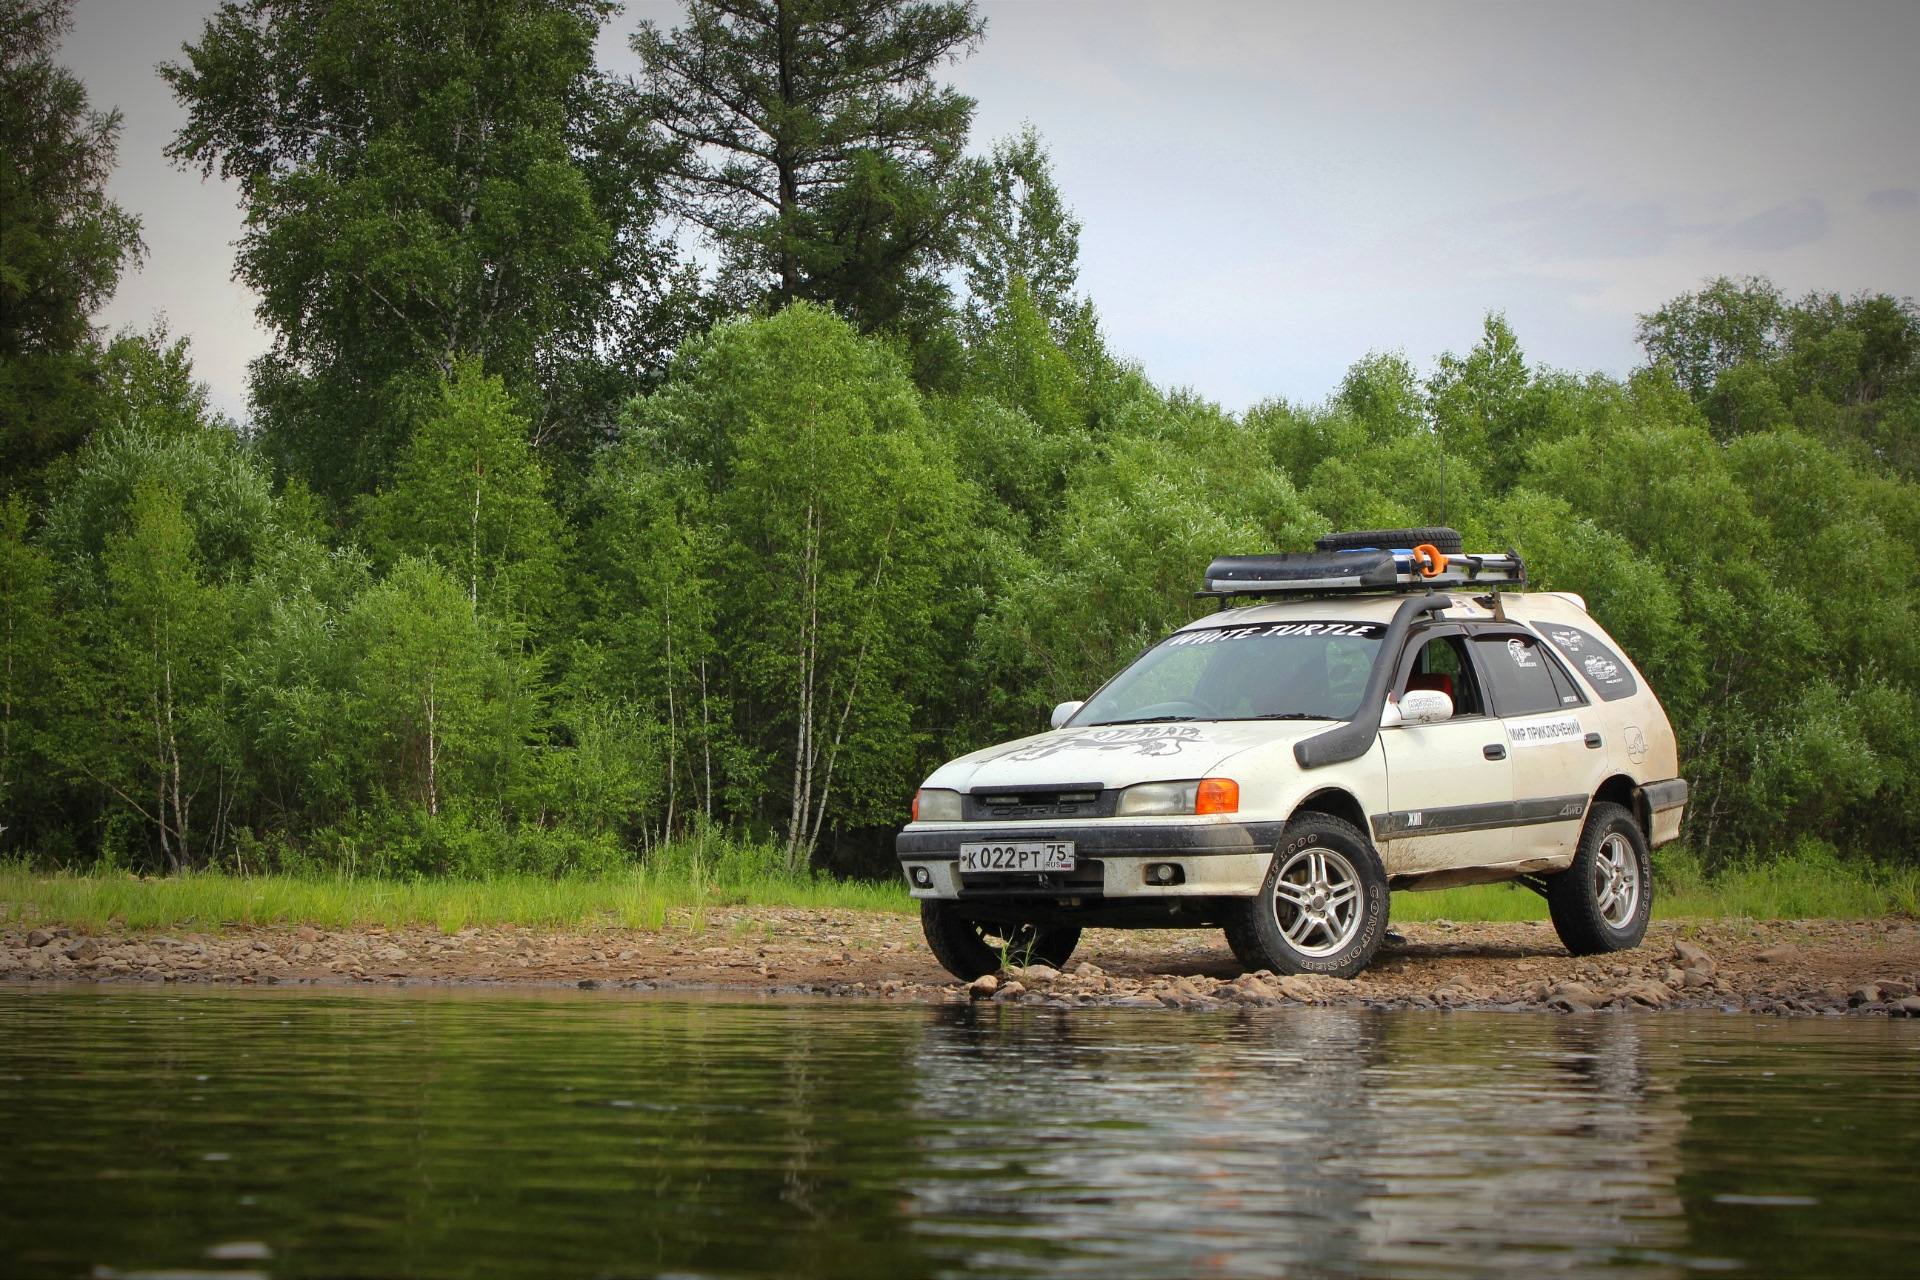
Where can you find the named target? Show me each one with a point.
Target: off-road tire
(961, 946)
(1577, 899)
(1445, 541)
(1254, 927)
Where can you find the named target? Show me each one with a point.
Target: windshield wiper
(1289, 715)
(1141, 720)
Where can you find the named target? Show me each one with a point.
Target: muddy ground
(1814, 967)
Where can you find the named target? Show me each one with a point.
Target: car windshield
(1308, 670)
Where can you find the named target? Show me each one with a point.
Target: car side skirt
(1478, 817)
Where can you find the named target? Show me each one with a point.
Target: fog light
(922, 878)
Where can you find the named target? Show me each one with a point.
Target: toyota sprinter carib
(1385, 712)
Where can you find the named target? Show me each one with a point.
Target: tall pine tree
(819, 151)
(63, 244)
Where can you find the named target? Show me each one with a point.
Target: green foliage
(540, 555)
(825, 504)
(425, 181)
(152, 689)
(1025, 235)
(1846, 372)
(33, 644)
(470, 492)
(1117, 570)
(63, 244)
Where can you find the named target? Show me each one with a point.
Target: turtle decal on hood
(1135, 739)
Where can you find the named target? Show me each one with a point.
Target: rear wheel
(1603, 901)
(968, 949)
(1322, 908)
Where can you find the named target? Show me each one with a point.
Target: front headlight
(936, 804)
(1201, 795)
(1160, 797)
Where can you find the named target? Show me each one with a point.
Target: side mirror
(1425, 706)
(1064, 712)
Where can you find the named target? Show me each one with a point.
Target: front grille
(1081, 800)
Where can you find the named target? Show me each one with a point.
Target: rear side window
(1604, 669)
(1570, 695)
(1518, 675)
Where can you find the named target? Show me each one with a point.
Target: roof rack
(1373, 570)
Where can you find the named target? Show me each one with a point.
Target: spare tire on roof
(1445, 541)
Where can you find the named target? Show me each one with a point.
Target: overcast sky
(1270, 191)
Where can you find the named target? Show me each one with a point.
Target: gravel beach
(1800, 968)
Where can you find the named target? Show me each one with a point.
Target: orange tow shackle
(1431, 562)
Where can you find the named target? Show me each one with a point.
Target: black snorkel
(1352, 740)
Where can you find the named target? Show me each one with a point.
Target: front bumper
(1214, 860)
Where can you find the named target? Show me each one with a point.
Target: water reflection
(1322, 1142)
(454, 1134)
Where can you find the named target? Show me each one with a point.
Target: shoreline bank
(1806, 967)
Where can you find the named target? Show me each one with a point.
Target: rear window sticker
(1521, 654)
(1604, 669)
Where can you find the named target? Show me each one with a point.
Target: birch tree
(437, 712)
(470, 492)
(835, 513)
(152, 725)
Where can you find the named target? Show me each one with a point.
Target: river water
(418, 1133)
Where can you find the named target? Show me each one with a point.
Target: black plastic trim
(1106, 839)
(1670, 794)
(1038, 802)
(1478, 817)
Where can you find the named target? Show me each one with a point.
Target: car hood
(1118, 755)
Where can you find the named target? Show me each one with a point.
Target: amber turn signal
(1217, 795)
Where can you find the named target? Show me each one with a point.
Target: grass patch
(1811, 883)
(640, 899)
(1471, 902)
(680, 891)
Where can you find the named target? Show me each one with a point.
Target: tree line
(723, 447)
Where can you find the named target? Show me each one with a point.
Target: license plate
(1039, 855)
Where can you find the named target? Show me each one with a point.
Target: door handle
(1494, 751)
(1593, 742)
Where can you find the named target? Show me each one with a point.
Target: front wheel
(1603, 901)
(1322, 908)
(968, 949)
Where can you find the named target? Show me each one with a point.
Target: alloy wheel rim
(1317, 901)
(1616, 881)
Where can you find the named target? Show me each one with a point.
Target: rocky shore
(1794, 968)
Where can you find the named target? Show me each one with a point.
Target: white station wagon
(1382, 713)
